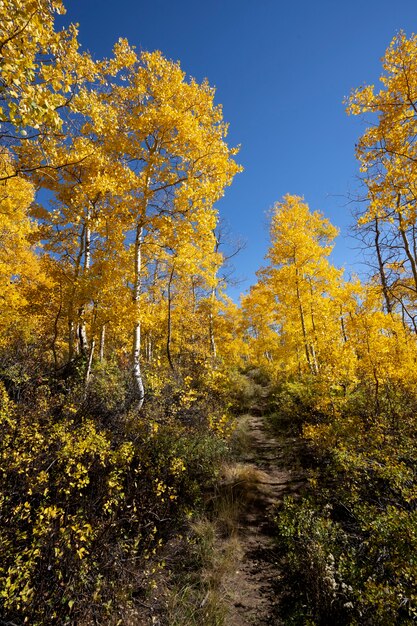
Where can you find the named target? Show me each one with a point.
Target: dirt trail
(254, 587)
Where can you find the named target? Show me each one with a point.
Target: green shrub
(360, 520)
(314, 548)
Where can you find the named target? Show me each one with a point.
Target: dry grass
(196, 592)
(239, 484)
(241, 439)
(200, 595)
(199, 598)
(242, 475)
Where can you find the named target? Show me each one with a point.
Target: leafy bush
(314, 548)
(351, 545)
(85, 506)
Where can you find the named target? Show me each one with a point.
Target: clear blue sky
(281, 71)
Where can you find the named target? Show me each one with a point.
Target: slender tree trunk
(213, 347)
(169, 322)
(90, 352)
(137, 373)
(102, 342)
(381, 267)
(342, 324)
(89, 366)
(406, 312)
(73, 344)
(298, 361)
(314, 361)
(194, 308)
(82, 327)
(313, 325)
(82, 332)
(55, 337)
(303, 326)
(414, 241)
(149, 347)
(403, 232)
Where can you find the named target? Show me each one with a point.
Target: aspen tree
(19, 264)
(387, 153)
(173, 136)
(300, 276)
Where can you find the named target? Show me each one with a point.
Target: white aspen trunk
(149, 348)
(82, 328)
(314, 359)
(71, 343)
(137, 374)
(82, 332)
(72, 330)
(102, 342)
(213, 347)
(89, 366)
(169, 322)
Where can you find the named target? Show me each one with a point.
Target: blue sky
(281, 71)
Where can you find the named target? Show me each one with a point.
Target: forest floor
(269, 463)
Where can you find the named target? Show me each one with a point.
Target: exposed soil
(254, 587)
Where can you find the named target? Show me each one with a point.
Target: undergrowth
(92, 492)
(349, 542)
